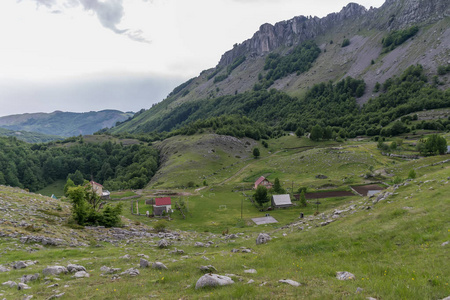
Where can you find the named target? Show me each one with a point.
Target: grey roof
(282, 199)
(448, 149)
(264, 220)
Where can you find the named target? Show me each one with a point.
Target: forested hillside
(114, 165)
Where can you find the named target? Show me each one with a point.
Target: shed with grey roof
(281, 201)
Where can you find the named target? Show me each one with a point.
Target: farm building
(98, 189)
(264, 182)
(448, 149)
(162, 205)
(281, 201)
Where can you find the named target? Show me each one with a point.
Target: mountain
(374, 45)
(64, 123)
(29, 137)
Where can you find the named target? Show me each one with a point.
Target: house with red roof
(264, 182)
(163, 204)
(98, 189)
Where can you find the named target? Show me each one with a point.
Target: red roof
(163, 201)
(260, 179)
(92, 182)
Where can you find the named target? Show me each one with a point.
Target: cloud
(108, 12)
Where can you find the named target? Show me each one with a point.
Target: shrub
(160, 226)
(345, 43)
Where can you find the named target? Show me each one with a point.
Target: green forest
(114, 165)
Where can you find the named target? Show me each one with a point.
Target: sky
(90, 55)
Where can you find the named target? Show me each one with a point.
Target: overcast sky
(83, 55)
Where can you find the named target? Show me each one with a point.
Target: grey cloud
(109, 13)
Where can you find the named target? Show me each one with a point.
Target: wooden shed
(281, 201)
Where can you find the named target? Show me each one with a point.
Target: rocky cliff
(394, 14)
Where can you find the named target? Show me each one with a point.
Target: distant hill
(374, 45)
(30, 137)
(64, 124)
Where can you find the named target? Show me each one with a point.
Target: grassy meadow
(394, 247)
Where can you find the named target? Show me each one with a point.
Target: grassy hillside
(395, 248)
(30, 137)
(64, 123)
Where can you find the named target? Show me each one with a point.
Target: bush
(160, 226)
(345, 43)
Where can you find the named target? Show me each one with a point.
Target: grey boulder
(262, 238)
(55, 270)
(213, 280)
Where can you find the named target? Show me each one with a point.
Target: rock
(54, 270)
(200, 244)
(250, 271)
(81, 274)
(359, 290)
(131, 272)
(345, 275)
(72, 268)
(20, 265)
(289, 281)
(23, 286)
(234, 250)
(262, 238)
(159, 265)
(10, 284)
(55, 296)
(205, 258)
(143, 255)
(143, 263)
(250, 281)
(246, 251)
(4, 269)
(444, 244)
(208, 268)
(213, 280)
(126, 256)
(446, 298)
(28, 278)
(163, 243)
(53, 285)
(29, 297)
(321, 176)
(109, 270)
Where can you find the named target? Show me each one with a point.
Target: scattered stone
(55, 296)
(28, 278)
(143, 263)
(262, 238)
(11, 284)
(72, 268)
(163, 243)
(23, 286)
(144, 256)
(444, 243)
(250, 271)
(28, 297)
(208, 268)
(321, 176)
(131, 272)
(234, 250)
(81, 274)
(359, 290)
(200, 244)
(109, 270)
(213, 280)
(53, 285)
(289, 281)
(263, 284)
(55, 270)
(20, 265)
(205, 258)
(250, 281)
(159, 265)
(345, 275)
(177, 251)
(246, 251)
(4, 269)
(126, 256)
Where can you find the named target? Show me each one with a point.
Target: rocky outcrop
(291, 32)
(393, 14)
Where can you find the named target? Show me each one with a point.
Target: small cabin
(264, 182)
(98, 189)
(281, 201)
(162, 205)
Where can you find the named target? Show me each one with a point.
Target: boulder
(143, 263)
(289, 281)
(345, 275)
(213, 280)
(200, 244)
(28, 278)
(10, 284)
(262, 238)
(81, 274)
(109, 270)
(4, 269)
(131, 272)
(163, 243)
(54, 270)
(126, 256)
(159, 265)
(72, 268)
(250, 271)
(23, 286)
(20, 265)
